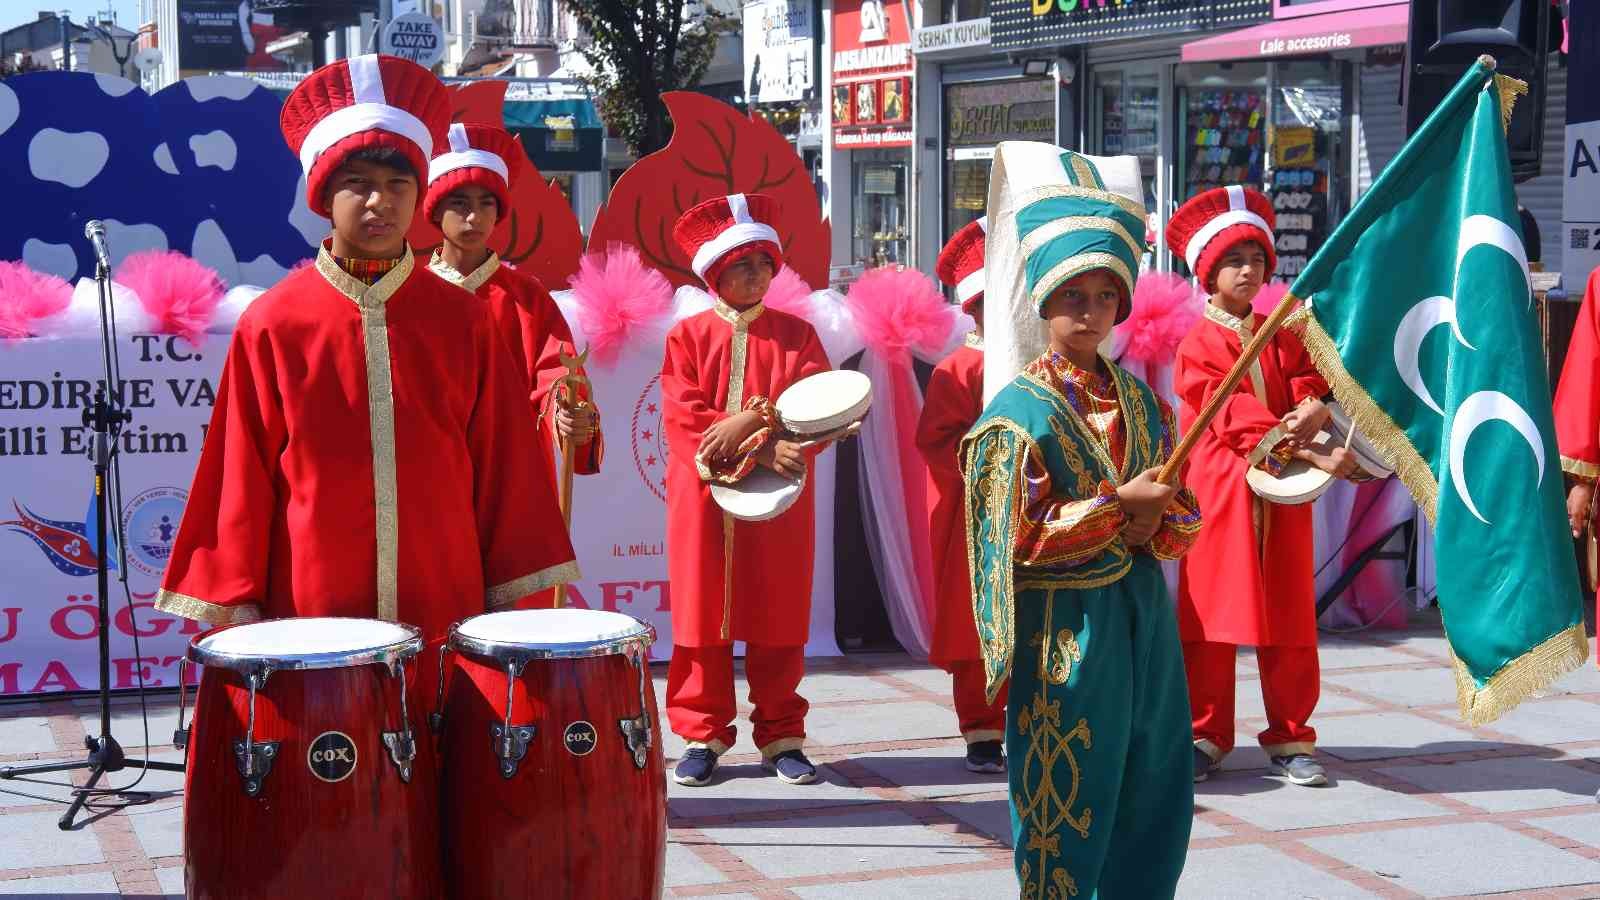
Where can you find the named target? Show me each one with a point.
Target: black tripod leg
(40, 769)
(80, 797)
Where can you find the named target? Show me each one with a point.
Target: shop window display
(1309, 157)
(1224, 126)
(881, 220)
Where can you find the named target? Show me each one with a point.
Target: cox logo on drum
(580, 738)
(332, 756)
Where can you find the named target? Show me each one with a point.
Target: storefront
(872, 103)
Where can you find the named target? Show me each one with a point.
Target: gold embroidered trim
(1577, 468)
(470, 282)
(1082, 172)
(973, 340)
(984, 477)
(204, 610)
(372, 301)
(1375, 424)
(782, 745)
(511, 591)
(1246, 332)
(1055, 228)
(1049, 191)
(740, 320)
(1520, 678)
(1072, 266)
(1044, 807)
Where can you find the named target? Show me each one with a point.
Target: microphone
(95, 231)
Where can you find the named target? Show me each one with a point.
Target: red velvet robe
(950, 405)
(1249, 579)
(1577, 405)
(768, 599)
(533, 328)
(362, 461)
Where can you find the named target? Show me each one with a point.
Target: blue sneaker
(696, 767)
(791, 767)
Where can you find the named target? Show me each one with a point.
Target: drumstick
(1258, 343)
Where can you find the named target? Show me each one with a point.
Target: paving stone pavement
(1422, 806)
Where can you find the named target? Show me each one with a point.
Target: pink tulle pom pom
(616, 292)
(179, 294)
(788, 293)
(898, 309)
(27, 296)
(1165, 307)
(1267, 299)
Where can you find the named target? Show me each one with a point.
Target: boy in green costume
(1066, 527)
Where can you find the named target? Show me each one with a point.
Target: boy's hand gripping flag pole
(1418, 312)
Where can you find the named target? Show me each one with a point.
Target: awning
(1306, 35)
(559, 135)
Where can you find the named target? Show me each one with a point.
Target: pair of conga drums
(540, 772)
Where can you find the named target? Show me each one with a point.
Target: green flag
(1421, 318)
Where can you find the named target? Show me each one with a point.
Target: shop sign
(1580, 230)
(878, 137)
(872, 53)
(954, 36)
(871, 36)
(1048, 23)
(985, 113)
(779, 50)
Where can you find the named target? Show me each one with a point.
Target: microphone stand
(107, 422)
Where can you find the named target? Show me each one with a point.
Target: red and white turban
(361, 103)
(960, 263)
(1204, 229)
(480, 155)
(722, 230)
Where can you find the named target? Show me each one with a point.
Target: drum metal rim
(386, 654)
(504, 651)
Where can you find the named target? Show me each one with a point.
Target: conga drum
(552, 779)
(305, 775)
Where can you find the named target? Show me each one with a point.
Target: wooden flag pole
(1252, 350)
(572, 382)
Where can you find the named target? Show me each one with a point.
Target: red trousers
(1291, 682)
(701, 705)
(979, 719)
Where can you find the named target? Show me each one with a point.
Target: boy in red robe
(736, 580)
(1248, 579)
(1577, 411)
(950, 406)
(364, 456)
(469, 191)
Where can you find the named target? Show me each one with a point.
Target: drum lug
(402, 750)
(636, 733)
(511, 745)
(255, 762)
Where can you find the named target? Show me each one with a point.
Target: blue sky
(19, 12)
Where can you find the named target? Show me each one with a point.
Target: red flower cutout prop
(541, 234)
(715, 151)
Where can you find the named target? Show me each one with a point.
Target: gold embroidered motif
(469, 282)
(1034, 195)
(372, 301)
(740, 321)
(1039, 802)
(1057, 656)
(1055, 228)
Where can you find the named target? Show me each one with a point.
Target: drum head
(305, 643)
(550, 634)
(1300, 482)
(825, 401)
(759, 496)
